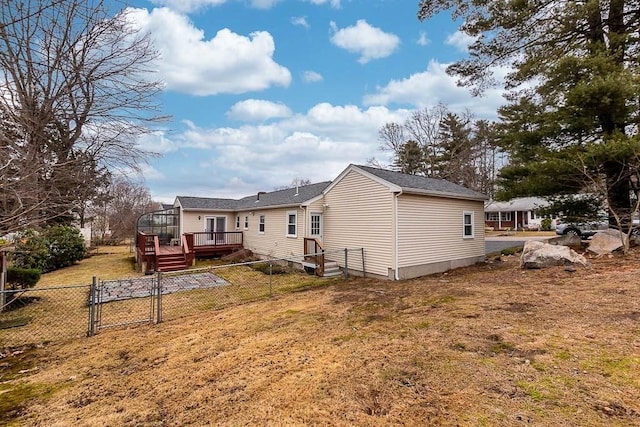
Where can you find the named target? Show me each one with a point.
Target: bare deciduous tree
(76, 90)
(296, 182)
(128, 200)
(436, 143)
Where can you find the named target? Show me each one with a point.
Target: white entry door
(316, 225)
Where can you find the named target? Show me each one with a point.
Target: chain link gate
(124, 302)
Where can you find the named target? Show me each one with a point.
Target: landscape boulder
(570, 240)
(606, 241)
(537, 254)
(241, 255)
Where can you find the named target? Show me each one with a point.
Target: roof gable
(398, 181)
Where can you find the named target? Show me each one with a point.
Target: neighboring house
(516, 214)
(408, 225)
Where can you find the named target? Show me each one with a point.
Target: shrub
(55, 247)
(545, 224)
(31, 251)
(511, 251)
(22, 278)
(263, 267)
(66, 246)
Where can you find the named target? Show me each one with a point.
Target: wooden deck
(214, 243)
(152, 256)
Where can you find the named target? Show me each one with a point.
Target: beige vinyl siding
(274, 241)
(191, 223)
(360, 215)
(430, 230)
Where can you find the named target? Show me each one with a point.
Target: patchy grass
(109, 262)
(64, 311)
(487, 345)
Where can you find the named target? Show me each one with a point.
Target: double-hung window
(467, 225)
(238, 222)
(246, 222)
(261, 225)
(292, 224)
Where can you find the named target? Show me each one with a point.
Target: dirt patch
(485, 345)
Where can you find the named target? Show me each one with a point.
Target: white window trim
(262, 222)
(237, 222)
(295, 224)
(464, 225)
(246, 222)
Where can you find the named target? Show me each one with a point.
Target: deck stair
(171, 262)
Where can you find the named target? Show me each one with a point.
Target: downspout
(396, 274)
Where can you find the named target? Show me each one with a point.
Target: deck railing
(217, 238)
(147, 248)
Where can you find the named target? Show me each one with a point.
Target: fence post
(346, 263)
(270, 274)
(92, 307)
(159, 297)
(363, 273)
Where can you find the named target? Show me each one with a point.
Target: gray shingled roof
(206, 203)
(282, 197)
(287, 197)
(518, 204)
(423, 184)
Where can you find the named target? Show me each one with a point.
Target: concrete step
(331, 269)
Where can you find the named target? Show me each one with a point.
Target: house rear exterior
(408, 225)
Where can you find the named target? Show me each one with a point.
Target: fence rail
(55, 313)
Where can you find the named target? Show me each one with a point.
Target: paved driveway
(497, 243)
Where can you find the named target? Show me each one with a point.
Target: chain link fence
(50, 314)
(43, 315)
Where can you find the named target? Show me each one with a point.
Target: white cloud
(312, 77)
(186, 6)
(423, 40)
(317, 145)
(300, 21)
(226, 63)
(334, 3)
(460, 41)
(156, 142)
(433, 86)
(367, 41)
(255, 110)
(264, 4)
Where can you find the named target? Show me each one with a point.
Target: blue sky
(265, 91)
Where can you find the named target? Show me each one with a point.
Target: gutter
(395, 207)
(444, 194)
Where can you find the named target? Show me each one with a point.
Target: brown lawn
(490, 345)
